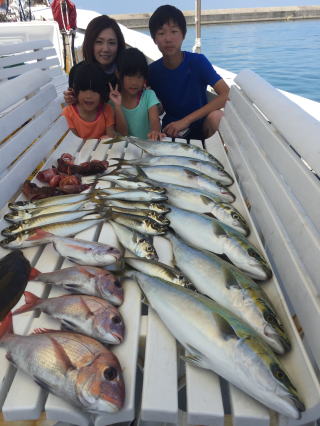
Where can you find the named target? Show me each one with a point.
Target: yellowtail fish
(96, 384)
(83, 314)
(139, 244)
(187, 177)
(232, 289)
(85, 280)
(217, 340)
(206, 167)
(49, 201)
(210, 234)
(174, 148)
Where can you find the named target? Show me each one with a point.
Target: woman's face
(105, 47)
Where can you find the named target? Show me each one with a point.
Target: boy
(180, 80)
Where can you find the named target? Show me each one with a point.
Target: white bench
(18, 58)
(169, 391)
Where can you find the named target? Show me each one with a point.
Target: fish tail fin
(120, 161)
(34, 272)
(31, 301)
(39, 234)
(6, 325)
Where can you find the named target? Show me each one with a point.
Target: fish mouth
(280, 344)
(298, 405)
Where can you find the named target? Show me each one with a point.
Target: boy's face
(89, 100)
(169, 39)
(133, 84)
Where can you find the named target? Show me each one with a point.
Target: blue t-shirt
(183, 89)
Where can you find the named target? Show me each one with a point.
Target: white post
(197, 22)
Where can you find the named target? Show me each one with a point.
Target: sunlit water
(285, 53)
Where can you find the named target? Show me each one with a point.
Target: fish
(19, 215)
(217, 340)
(200, 201)
(37, 236)
(187, 177)
(139, 244)
(142, 224)
(158, 269)
(156, 207)
(157, 217)
(210, 234)
(233, 290)
(85, 280)
(49, 201)
(122, 181)
(14, 276)
(83, 314)
(131, 195)
(85, 252)
(74, 367)
(48, 219)
(215, 172)
(174, 148)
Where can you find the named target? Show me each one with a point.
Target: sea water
(285, 53)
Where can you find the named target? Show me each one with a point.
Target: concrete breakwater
(223, 16)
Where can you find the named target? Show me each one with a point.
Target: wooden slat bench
(18, 58)
(168, 391)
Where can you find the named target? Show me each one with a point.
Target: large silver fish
(174, 148)
(187, 177)
(72, 366)
(157, 217)
(158, 269)
(200, 201)
(206, 167)
(85, 280)
(210, 234)
(83, 314)
(217, 340)
(232, 289)
(139, 244)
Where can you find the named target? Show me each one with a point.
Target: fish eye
(116, 319)
(110, 373)
(149, 249)
(117, 283)
(141, 241)
(235, 216)
(270, 318)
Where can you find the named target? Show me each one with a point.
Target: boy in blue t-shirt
(180, 79)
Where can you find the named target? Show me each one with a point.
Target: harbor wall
(223, 16)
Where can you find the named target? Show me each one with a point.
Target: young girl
(91, 117)
(139, 105)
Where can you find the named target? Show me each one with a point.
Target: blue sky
(140, 6)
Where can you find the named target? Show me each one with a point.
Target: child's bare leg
(211, 123)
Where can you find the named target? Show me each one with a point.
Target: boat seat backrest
(30, 126)
(274, 147)
(18, 58)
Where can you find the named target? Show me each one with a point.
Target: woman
(103, 41)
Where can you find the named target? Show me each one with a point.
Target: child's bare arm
(155, 126)
(222, 90)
